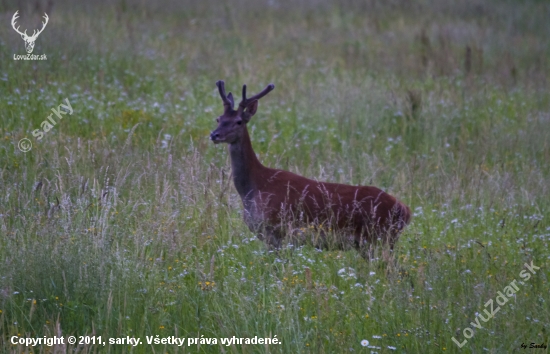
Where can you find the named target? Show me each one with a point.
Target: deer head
(29, 40)
(232, 123)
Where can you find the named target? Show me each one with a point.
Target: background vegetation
(122, 220)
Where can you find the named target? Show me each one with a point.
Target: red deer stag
(278, 203)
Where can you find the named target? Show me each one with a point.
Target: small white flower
(364, 342)
(347, 273)
(377, 337)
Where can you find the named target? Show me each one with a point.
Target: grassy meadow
(123, 220)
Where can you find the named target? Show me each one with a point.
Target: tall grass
(123, 221)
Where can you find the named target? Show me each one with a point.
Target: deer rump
(284, 204)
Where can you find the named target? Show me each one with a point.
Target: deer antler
(227, 99)
(13, 20)
(43, 26)
(34, 33)
(245, 101)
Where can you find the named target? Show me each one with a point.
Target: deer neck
(244, 166)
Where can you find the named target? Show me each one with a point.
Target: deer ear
(252, 107)
(230, 98)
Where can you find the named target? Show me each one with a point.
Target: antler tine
(243, 98)
(13, 23)
(44, 23)
(221, 89)
(14, 18)
(264, 92)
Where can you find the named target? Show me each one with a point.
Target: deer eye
(239, 122)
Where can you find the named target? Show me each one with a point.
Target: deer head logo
(29, 40)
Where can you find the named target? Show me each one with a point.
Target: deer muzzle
(215, 137)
